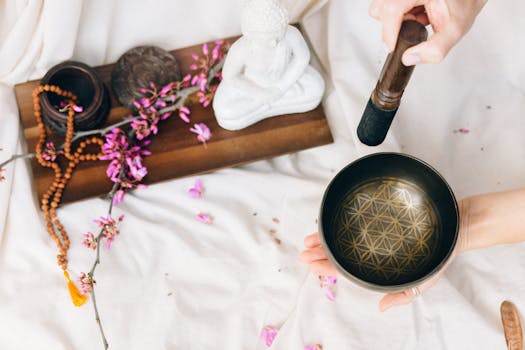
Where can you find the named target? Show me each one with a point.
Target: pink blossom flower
(109, 228)
(206, 97)
(327, 283)
(118, 196)
(329, 293)
(141, 127)
(145, 102)
(135, 168)
(89, 241)
(197, 189)
(77, 108)
(313, 347)
(126, 166)
(200, 80)
(205, 218)
(160, 104)
(183, 113)
(50, 153)
(202, 131)
(86, 283)
(328, 279)
(203, 99)
(186, 81)
(64, 107)
(167, 89)
(268, 334)
(205, 49)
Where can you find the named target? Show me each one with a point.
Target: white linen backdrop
(170, 282)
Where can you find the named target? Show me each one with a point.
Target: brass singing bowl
(388, 222)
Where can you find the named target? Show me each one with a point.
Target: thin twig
(103, 131)
(91, 273)
(97, 315)
(180, 97)
(15, 157)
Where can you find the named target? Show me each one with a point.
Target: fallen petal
(205, 218)
(268, 334)
(329, 293)
(313, 347)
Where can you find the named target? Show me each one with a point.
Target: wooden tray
(176, 151)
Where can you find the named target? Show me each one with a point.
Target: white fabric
(170, 282)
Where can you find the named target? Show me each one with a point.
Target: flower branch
(15, 157)
(125, 149)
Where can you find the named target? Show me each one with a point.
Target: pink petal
(205, 49)
(196, 190)
(194, 193)
(331, 279)
(184, 117)
(77, 109)
(205, 218)
(268, 334)
(118, 197)
(313, 347)
(329, 293)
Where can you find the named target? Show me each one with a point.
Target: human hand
(450, 20)
(315, 256)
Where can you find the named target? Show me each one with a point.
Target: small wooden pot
(83, 81)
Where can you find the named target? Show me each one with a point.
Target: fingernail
(383, 308)
(411, 60)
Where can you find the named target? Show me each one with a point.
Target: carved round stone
(139, 66)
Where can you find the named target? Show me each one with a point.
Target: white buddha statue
(267, 71)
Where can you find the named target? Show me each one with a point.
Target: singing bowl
(388, 222)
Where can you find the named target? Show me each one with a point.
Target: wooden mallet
(386, 97)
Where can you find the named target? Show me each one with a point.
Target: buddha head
(264, 22)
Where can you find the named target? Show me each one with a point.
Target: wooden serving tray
(175, 151)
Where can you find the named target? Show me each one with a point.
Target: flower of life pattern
(387, 229)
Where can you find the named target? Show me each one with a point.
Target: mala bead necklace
(51, 198)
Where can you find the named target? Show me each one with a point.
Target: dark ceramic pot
(388, 222)
(83, 81)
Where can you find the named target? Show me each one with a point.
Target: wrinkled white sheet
(170, 282)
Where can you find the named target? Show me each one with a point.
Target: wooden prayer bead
(51, 198)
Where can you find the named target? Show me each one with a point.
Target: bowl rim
(89, 72)
(370, 285)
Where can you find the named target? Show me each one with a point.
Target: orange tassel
(77, 298)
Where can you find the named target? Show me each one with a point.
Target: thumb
(434, 50)
(395, 299)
